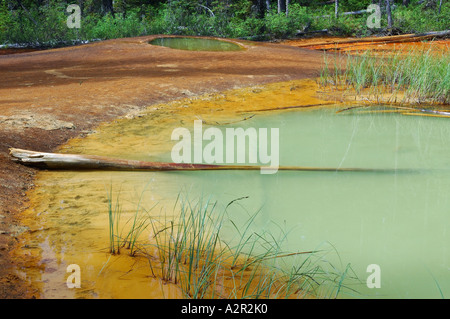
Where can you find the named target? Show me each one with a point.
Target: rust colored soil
(48, 97)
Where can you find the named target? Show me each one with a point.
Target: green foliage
(108, 27)
(282, 25)
(350, 25)
(418, 18)
(344, 25)
(277, 25)
(354, 5)
(43, 25)
(5, 20)
(44, 22)
(241, 28)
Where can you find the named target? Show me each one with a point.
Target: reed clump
(187, 249)
(412, 77)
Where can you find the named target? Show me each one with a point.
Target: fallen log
(57, 161)
(343, 13)
(411, 110)
(289, 107)
(300, 33)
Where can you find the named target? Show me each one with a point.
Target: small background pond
(196, 44)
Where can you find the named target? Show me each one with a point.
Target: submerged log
(92, 162)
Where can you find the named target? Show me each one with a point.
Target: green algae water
(196, 44)
(395, 219)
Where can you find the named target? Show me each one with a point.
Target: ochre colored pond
(396, 220)
(68, 214)
(196, 44)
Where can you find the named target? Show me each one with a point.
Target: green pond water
(196, 44)
(397, 220)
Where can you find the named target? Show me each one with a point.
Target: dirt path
(48, 97)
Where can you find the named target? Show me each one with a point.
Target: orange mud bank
(48, 97)
(406, 43)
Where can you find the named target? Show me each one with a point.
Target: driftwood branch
(208, 9)
(92, 162)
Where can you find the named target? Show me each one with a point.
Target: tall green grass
(405, 77)
(114, 213)
(188, 249)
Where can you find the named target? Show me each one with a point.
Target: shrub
(414, 19)
(109, 27)
(280, 25)
(5, 20)
(251, 26)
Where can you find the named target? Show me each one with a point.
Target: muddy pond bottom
(386, 232)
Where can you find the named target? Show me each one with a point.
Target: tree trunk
(107, 7)
(281, 6)
(268, 5)
(440, 7)
(405, 3)
(287, 8)
(81, 4)
(389, 16)
(261, 9)
(336, 8)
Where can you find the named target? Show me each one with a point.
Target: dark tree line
(282, 6)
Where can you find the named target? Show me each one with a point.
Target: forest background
(45, 22)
